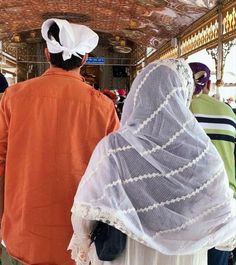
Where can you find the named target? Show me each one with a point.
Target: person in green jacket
(219, 122)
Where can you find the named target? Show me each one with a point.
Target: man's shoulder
(205, 104)
(225, 108)
(201, 103)
(95, 95)
(101, 99)
(15, 89)
(208, 100)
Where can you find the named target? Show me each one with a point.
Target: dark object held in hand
(109, 241)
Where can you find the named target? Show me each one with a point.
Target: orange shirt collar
(60, 71)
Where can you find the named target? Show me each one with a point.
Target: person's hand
(83, 258)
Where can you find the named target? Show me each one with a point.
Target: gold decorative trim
(170, 53)
(229, 21)
(200, 38)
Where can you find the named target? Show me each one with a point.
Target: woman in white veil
(158, 179)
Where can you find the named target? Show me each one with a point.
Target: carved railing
(229, 21)
(169, 53)
(200, 38)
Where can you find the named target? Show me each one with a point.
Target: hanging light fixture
(32, 34)
(16, 38)
(34, 37)
(133, 24)
(122, 48)
(117, 38)
(122, 43)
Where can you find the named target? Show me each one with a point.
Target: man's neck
(76, 70)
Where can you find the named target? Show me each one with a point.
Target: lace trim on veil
(88, 212)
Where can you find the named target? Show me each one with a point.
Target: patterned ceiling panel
(145, 22)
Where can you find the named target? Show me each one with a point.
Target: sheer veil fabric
(158, 179)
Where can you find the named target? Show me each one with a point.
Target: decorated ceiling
(144, 22)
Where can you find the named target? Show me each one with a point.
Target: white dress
(138, 254)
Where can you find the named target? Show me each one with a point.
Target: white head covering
(74, 39)
(159, 179)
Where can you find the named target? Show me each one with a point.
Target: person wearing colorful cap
(219, 122)
(122, 97)
(49, 127)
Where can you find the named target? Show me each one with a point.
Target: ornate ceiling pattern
(144, 22)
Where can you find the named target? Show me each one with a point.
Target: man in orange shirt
(49, 127)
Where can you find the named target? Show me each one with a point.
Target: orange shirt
(49, 127)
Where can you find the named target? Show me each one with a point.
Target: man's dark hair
(56, 58)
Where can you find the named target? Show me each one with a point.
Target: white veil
(158, 179)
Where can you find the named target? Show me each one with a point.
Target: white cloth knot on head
(74, 39)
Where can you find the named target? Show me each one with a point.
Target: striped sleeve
(218, 127)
